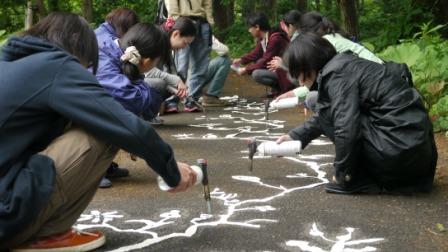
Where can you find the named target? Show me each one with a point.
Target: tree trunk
(41, 10)
(223, 13)
(438, 8)
(349, 17)
(302, 5)
(268, 7)
(87, 10)
(247, 7)
(441, 15)
(29, 15)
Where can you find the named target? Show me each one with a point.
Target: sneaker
(191, 107)
(156, 121)
(73, 240)
(353, 188)
(116, 172)
(105, 183)
(213, 101)
(171, 108)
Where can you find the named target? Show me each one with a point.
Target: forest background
(405, 31)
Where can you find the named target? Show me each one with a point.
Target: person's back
(31, 92)
(38, 144)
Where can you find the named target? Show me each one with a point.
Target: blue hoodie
(43, 88)
(136, 96)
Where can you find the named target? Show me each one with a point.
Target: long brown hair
(122, 19)
(70, 32)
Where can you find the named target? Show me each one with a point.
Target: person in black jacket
(59, 131)
(381, 130)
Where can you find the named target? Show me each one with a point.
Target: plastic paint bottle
(196, 169)
(287, 148)
(285, 103)
(235, 68)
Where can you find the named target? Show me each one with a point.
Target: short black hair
(70, 32)
(259, 19)
(308, 53)
(317, 23)
(151, 42)
(292, 17)
(122, 19)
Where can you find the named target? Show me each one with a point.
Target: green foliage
(427, 57)
(385, 22)
(3, 37)
(237, 38)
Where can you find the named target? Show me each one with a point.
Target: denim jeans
(217, 72)
(198, 54)
(266, 78)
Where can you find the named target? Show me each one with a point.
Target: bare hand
(283, 138)
(241, 71)
(187, 178)
(275, 64)
(181, 89)
(288, 94)
(236, 62)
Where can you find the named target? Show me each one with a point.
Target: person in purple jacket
(129, 90)
(270, 43)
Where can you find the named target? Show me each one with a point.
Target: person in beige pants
(60, 130)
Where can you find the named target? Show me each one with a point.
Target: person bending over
(117, 23)
(59, 132)
(377, 121)
(194, 59)
(166, 78)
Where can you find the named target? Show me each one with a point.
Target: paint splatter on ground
(279, 206)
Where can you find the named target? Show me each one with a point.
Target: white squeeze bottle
(285, 103)
(196, 169)
(287, 148)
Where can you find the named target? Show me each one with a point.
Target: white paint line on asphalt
(255, 127)
(230, 203)
(342, 243)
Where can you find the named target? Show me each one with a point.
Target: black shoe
(353, 188)
(116, 172)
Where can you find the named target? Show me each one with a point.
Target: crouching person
(381, 130)
(59, 132)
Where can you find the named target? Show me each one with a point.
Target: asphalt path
(278, 206)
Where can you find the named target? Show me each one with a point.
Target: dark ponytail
(316, 23)
(150, 41)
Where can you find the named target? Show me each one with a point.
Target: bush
(427, 57)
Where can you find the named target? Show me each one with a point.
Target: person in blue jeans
(217, 72)
(197, 53)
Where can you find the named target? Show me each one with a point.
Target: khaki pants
(81, 161)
